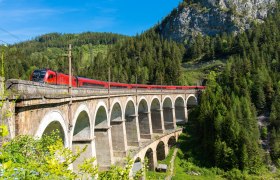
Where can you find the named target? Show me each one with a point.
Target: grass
(168, 157)
(152, 175)
(192, 77)
(187, 170)
(161, 175)
(195, 71)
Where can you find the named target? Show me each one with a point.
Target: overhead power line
(4, 41)
(11, 34)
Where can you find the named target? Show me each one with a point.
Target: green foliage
(148, 57)
(5, 113)
(226, 124)
(155, 175)
(234, 174)
(27, 158)
(162, 175)
(3, 130)
(48, 51)
(264, 133)
(118, 172)
(227, 128)
(188, 164)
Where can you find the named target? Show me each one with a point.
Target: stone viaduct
(113, 124)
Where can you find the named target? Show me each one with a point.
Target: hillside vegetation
(225, 129)
(50, 51)
(152, 58)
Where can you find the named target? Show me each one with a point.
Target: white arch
(191, 95)
(50, 117)
(130, 99)
(148, 104)
(153, 98)
(179, 96)
(172, 104)
(80, 109)
(111, 108)
(99, 104)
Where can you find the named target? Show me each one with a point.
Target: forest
(154, 59)
(226, 128)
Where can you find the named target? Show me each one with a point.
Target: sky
(22, 20)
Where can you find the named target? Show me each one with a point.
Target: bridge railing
(35, 89)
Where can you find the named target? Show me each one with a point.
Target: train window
(50, 77)
(38, 75)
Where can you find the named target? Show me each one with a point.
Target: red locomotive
(52, 77)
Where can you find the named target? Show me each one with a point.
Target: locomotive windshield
(38, 75)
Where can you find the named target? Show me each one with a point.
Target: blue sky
(22, 20)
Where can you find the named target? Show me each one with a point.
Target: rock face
(211, 17)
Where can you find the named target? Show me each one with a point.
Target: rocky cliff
(211, 17)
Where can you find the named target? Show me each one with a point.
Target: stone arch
(143, 119)
(150, 157)
(168, 115)
(51, 121)
(82, 134)
(156, 116)
(171, 142)
(118, 130)
(131, 124)
(81, 124)
(191, 101)
(137, 166)
(101, 116)
(160, 151)
(102, 133)
(180, 110)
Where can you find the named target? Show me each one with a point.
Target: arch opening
(118, 138)
(82, 138)
(169, 123)
(53, 127)
(149, 156)
(180, 113)
(131, 125)
(101, 118)
(160, 151)
(156, 116)
(143, 120)
(137, 166)
(102, 140)
(171, 142)
(53, 120)
(191, 102)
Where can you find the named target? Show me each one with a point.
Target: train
(56, 78)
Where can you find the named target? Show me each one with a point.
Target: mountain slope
(211, 17)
